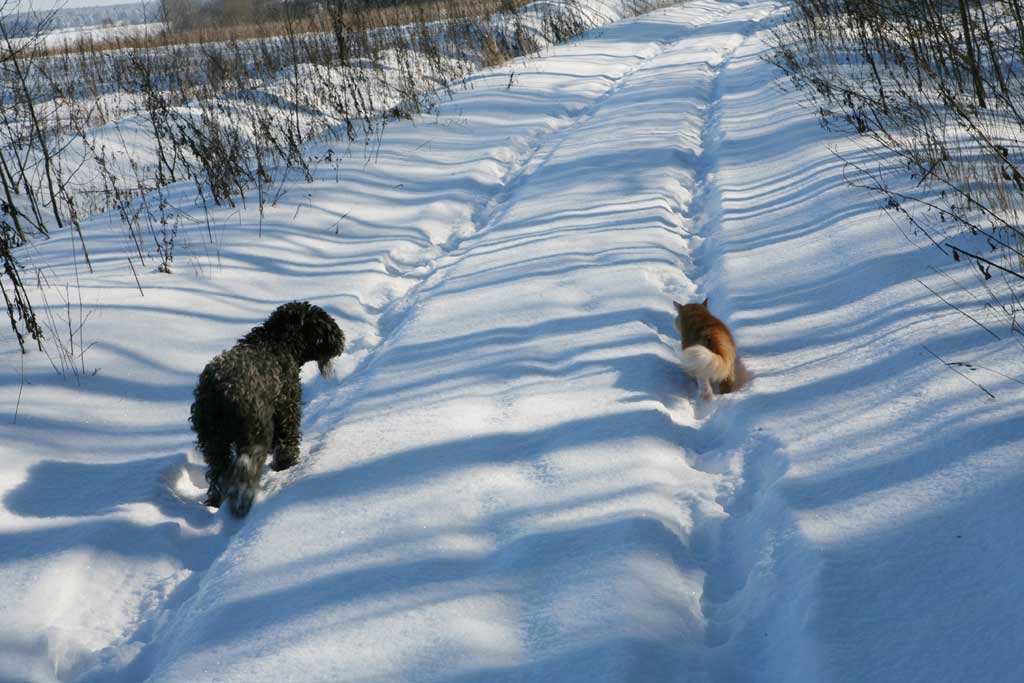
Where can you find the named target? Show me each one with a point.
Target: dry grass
(936, 86)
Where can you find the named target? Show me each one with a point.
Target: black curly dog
(248, 401)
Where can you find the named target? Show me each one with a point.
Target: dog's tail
(702, 363)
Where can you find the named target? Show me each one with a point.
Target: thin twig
(137, 283)
(971, 366)
(950, 366)
(985, 260)
(962, 311)
(21, 387)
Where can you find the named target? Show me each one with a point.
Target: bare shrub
(937, 85)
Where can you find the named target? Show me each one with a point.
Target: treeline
(184, 15)
(939, 86)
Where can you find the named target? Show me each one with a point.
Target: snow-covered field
(65, 38)
(509, 479)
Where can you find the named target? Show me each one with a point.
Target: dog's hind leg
(287, 427)
(214, 497)
(218, 461)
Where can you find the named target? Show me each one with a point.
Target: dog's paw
(240, 498)
(280, 464)
(241, 501)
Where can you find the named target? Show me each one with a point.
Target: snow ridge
(736, 544)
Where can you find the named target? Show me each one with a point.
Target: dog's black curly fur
(248, 402)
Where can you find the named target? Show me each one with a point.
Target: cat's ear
(705, 304)
(679, 306)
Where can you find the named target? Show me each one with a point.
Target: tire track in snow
(729, 550)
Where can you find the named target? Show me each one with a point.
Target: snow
(68, 37)
(510, 478)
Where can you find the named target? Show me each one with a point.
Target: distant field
(69, 38)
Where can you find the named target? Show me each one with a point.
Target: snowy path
(505, 491)
(509, 480)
